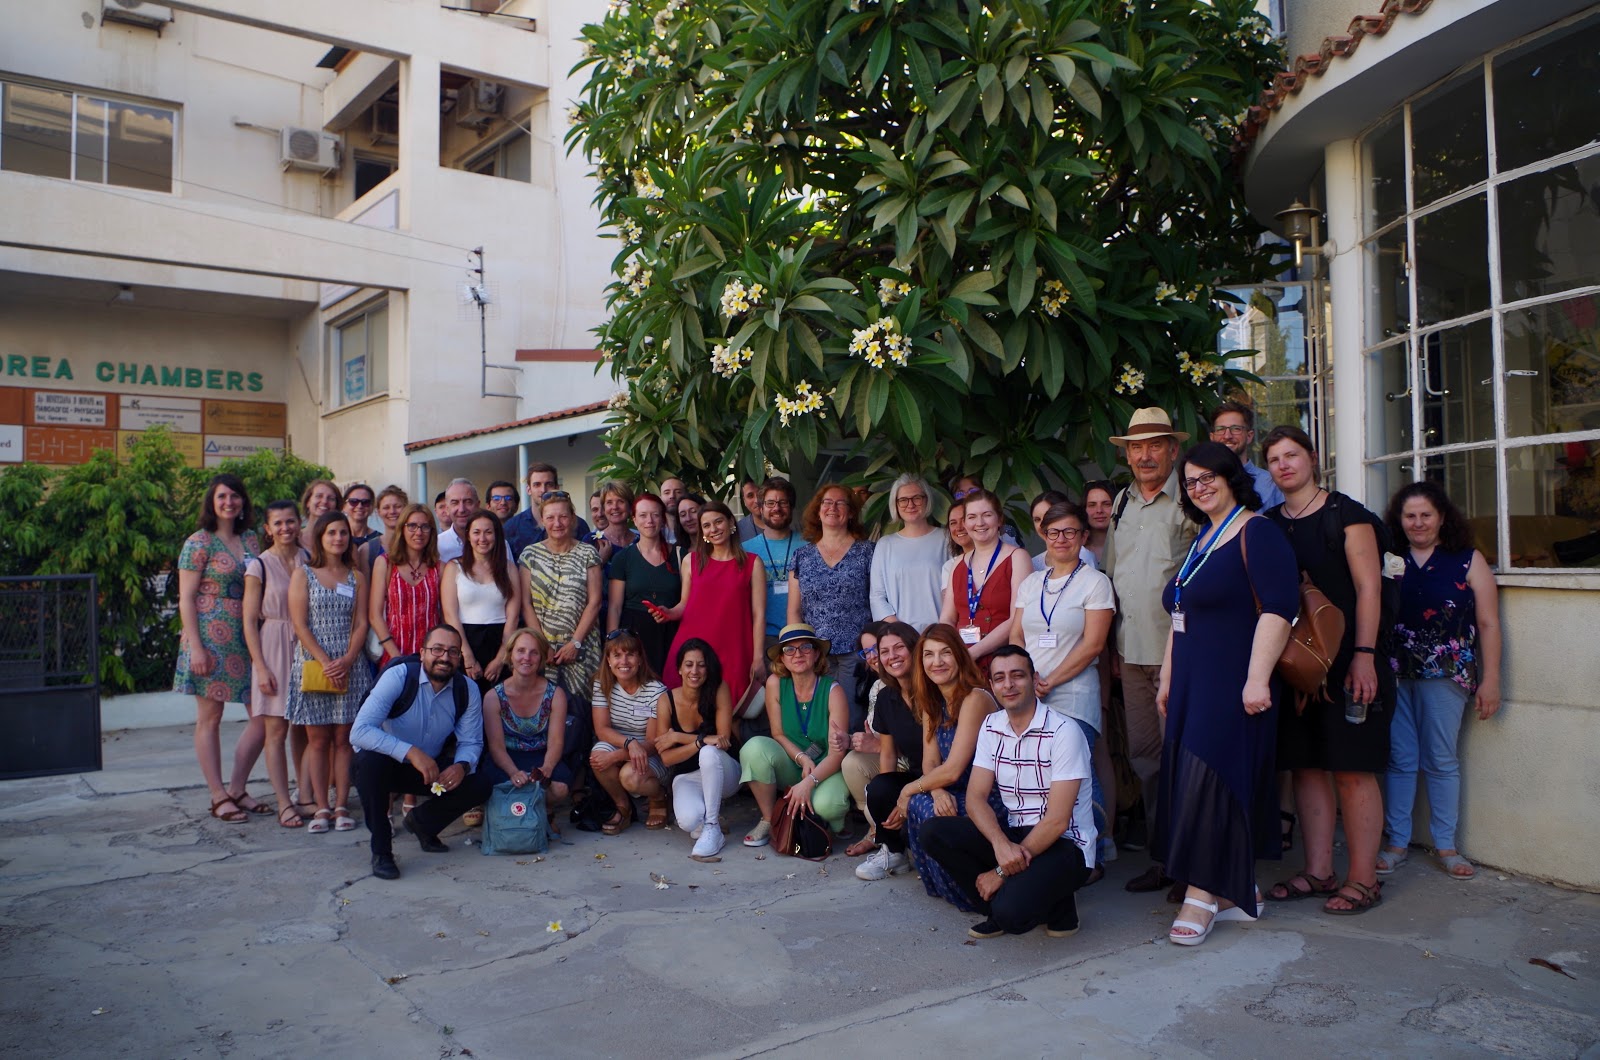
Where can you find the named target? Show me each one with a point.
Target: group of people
(948, 685)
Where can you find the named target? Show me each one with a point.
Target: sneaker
(988, 929)
(882, 864)
(760, 835)
(709, 843)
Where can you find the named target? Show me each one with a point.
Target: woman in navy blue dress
(1231, 603)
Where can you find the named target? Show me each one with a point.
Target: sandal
(617, 823)
(1289, 890)
(289, 817)
(658, 813)
(342, 821)
(319, 822)
(760, 835)
(249, 804)
(1366, 899)
(1452, 862)
(1389, 860)
(233, 816)
(472, 818)
(1288, 829)
(865, 845)
(1200, 930)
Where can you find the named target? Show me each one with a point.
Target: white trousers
(697, 796)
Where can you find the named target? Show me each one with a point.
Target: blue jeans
(1099, 796)
(1424, 734)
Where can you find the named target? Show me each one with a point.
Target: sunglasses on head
(549, 495)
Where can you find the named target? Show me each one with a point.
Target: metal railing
(49, 632)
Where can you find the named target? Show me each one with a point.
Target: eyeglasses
(420, 527)
(507, 498)
(1065, 533)
(912, 500)
(550, 495)
(867, 653)
(1205, 479)
(1230, 430)
(445, 653)
(358, 502)
(796, 649)
(834, 503)
(776, 504)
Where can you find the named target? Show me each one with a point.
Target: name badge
(971, 634)
(345, 589)
(1047, 640)
(1177, 622)
(780, 588)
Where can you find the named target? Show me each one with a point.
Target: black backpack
(408, 691)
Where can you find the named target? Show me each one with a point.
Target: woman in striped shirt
(628, 698)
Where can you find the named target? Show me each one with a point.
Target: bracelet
(387, 640)
(699, 742)
(629, 742)
(1366, 651)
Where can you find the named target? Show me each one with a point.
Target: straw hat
(1150, 423)
(794, 634)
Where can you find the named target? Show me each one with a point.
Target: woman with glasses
(1231, 604)
(831, 583)
(644, 576)
(563, 595)
(330, 628)
(804, 705)
(722, 601)
(629, 702)
(906, 563)
(695, 740)
(482, 599)
(1062, 619)
(406, 600)
(358, 498)
(979, 594)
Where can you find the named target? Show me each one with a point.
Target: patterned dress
(331, 615)
(219, 613)
(935, 880)
(411, 610)
(558, 584)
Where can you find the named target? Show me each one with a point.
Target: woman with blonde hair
(525, 720)
(984, 583)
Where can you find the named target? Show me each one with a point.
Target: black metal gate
(49, 676)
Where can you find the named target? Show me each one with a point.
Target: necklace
(1314, 495)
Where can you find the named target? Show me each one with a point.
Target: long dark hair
(703, 547)
(908, 636)
(208, 506)
(1218, 458)
(928, 704)
(707, 700)
(1455, 533)
(319, 555)
(497, 554)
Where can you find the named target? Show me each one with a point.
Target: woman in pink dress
(269, 633)
(724, 601)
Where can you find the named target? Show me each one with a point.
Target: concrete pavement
(133, 924)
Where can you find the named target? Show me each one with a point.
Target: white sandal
(760, 835)
(1200, 930)
(319, 822)
(1234, 912)
(342, 821)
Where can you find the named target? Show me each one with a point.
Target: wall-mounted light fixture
(1300, 224)
(124, 295)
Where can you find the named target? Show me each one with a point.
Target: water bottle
(1355, 713)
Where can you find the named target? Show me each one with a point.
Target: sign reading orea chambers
(55, 424)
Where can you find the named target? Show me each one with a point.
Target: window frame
(336, 401)
(1414, 456)
(81, 93)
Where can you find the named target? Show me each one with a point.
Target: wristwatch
(1000, 871)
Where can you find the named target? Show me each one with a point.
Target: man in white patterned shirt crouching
(1026, 871)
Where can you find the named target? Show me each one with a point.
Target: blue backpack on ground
(515, 821)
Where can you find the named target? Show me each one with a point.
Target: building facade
(1448, 159)
(324, 226)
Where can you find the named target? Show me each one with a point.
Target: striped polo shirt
(1050, 749)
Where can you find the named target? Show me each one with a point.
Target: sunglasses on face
(359, 502)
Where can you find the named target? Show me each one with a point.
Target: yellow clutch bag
(314, 679)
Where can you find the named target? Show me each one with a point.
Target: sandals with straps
(1302, 885)
(319, 822)
(342, 821)
(250, 804)
(289, 817)
(233, 816)
(1366, 898)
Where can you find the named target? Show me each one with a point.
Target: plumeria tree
(947, 233)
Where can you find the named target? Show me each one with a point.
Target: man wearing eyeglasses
(1234, 425)
(526, 527)
(402, 730)
(775, 542)
(502, 500)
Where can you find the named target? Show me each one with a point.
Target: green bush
(125, 522)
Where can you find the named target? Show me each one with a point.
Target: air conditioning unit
(136, 13)
(308, 149)
(385, 122)
(479, 102)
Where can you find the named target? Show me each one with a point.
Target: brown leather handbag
(800, 833)
(1314, 639)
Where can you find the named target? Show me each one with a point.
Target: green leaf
(694, 266)
(1083, 93)
(808, 340)
(993, 99)
(984, 335)
(987, 73)
(910, 417)
(1013, 194)
(973, 282)
(877, 58)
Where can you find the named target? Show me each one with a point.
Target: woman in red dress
(724, 601)
(405, 586)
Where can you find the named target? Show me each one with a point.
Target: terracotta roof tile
(560, 414)
(1338, 46)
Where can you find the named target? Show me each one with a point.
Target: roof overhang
(565, 423)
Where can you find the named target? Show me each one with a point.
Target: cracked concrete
(197, 938)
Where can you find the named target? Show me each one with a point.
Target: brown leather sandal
(658, 813)
(234, 816)
(1289, 890)
(1365, 898)
(618, 822)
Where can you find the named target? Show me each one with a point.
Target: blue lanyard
(1197, 557)
(1044, 591)
(974, 595)
(781, 572)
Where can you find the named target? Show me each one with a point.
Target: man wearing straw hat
(1149, 536)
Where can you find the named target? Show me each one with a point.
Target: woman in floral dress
(563, 598)
(213, 661)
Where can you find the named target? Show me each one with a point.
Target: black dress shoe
(1151, 879)
(427, 840)
(384, 868)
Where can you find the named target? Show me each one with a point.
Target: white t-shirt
(1052, 748)
(1065, 602)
